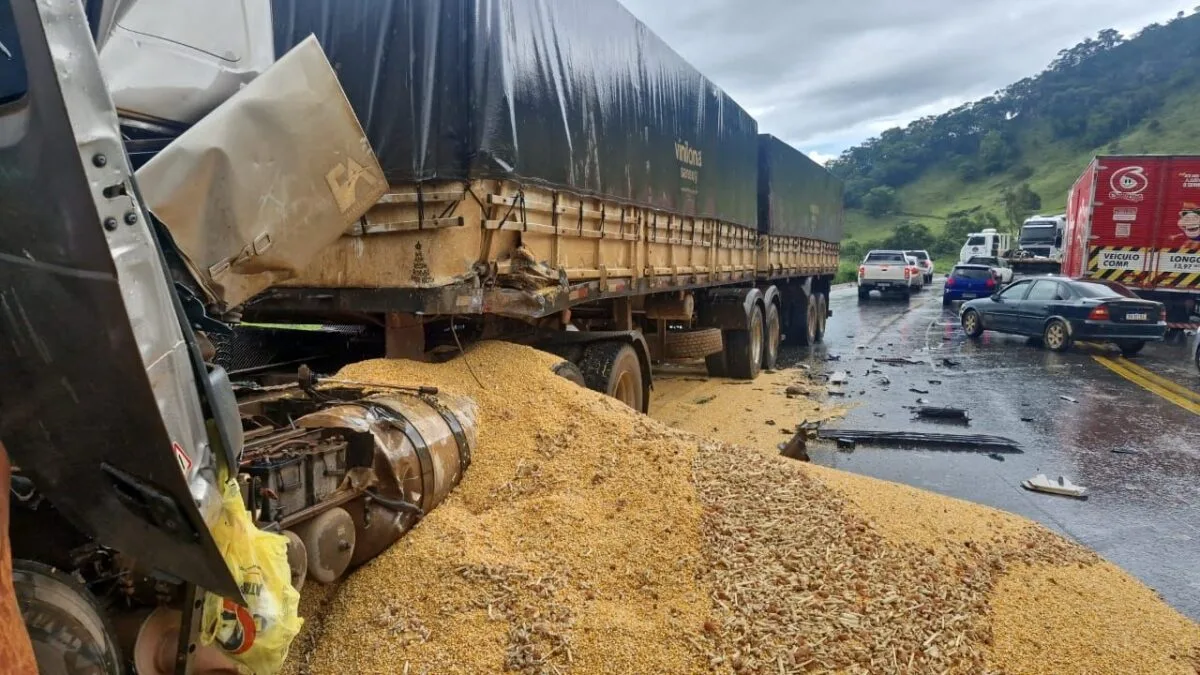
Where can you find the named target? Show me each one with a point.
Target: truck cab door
(100, 383)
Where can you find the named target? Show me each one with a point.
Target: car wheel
(1198, 355)
(863, 294)
(1057, 336)
(1131, 348)
(946, 301)
(972, 323)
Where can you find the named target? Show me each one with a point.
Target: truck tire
(864, 294)
(771, 338)
(822, 315)
(800, 333)
(570, 372)
(693, 344)
(67, 627)
(715, 364)
(613, 369)
(743, 348)
(1057, 336)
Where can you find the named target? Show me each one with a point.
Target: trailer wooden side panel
(493, 233)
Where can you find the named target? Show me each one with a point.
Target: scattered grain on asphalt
(1085, 619)
(587, 538)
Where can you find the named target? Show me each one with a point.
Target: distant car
(925, 262)
(968, 282)
(918, 274)
(1003, 270)
(1061, 311)
(886, 272)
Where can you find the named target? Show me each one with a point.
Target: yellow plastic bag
(256, 636)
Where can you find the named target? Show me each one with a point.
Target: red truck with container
(1136, 220)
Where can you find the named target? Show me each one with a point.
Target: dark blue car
(967, 282)
(1061, 310)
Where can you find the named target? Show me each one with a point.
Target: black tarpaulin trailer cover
(796, 196)
(576, 94)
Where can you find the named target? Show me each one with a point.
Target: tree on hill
(1020, 203)
(1088, 96)
(880, 200)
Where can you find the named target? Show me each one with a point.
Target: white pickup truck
(887, 272)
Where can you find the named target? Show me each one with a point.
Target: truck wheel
(864, 294)
(613, 369)
(68, 629)
(972, 323)
(715, 364)
(822, 315)
(1057, 336)
(693, 344)
(1131, 347)
(743, 348)
(771, 338)
(570, 372)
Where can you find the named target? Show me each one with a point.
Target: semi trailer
(439, 182)
(1136, 220)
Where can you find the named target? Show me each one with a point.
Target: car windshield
(1041, 234)
(885, 258)
(1101, 289)
(919, 255)
(976, 241)
(972, 273)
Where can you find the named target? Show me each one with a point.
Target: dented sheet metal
(271, 177)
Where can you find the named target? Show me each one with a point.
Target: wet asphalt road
(1143, 511)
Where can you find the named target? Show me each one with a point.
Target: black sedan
(1060, 310)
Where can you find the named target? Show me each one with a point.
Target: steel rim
(822, 311)
(970, 322)
(1054, 336)
(756, 336)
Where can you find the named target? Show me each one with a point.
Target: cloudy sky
(826, 75)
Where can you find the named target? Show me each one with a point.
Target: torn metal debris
(914, 438)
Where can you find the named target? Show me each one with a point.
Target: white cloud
(828, 75)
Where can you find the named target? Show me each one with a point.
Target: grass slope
(1055, 164)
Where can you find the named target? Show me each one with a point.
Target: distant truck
(1039, 247)
(1136, 220)
(990, 242)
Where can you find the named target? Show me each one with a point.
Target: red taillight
(1162, 314)
(862, 271)
(907, 272)
(1100, 314)
(991, 282)
(949, 282)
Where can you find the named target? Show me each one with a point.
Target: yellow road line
(1149, 385)
(1179, 389)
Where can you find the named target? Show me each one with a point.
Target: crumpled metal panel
(258, 187)
(99, 400)
(177, 60)
(797, 196)
(576, 94)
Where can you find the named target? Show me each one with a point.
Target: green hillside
(1055, 165)
(928, 184)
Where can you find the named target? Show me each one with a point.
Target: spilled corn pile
(588, 539)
